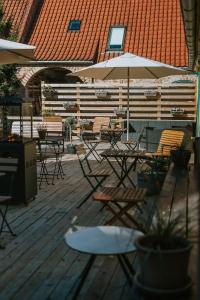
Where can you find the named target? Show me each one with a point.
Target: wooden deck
(37, 264)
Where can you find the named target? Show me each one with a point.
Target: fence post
(78, 102)
(42, 98)
(159, 103)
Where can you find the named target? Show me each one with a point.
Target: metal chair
(47, 152)
(93, 138)
(95, 177)
(8, 169)
(134, 144)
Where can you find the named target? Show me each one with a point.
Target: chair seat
(129, 142)
(120, 194)
(100, 172)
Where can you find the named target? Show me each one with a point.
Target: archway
(48, 75)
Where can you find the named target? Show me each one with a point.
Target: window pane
(116, 38)
(74, 25)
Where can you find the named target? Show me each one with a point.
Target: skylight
(116, 38)
(74, 25)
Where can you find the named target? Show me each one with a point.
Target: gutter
(61, 62)
(190, 18)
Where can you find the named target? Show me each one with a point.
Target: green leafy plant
(8, 79)
(168, 234)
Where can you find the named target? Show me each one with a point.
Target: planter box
(71, 149)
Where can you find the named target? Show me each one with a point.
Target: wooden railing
(99, 100)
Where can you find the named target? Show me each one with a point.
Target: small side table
(103, 240)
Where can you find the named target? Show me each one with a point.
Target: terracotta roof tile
(154, 29)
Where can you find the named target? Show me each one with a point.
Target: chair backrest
(100, 122)
(82, 156)
(9, 166)
(170, 139)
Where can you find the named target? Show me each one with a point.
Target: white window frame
(112, 38)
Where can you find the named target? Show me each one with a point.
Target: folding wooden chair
(134, 144)
(8, 169)
(120, 201)
(95, 177)
(93, 138)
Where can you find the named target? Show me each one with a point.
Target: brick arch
(25, 74)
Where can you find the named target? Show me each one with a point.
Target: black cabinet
(25, 185)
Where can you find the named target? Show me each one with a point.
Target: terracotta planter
(163, 269)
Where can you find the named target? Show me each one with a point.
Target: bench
(53, 126)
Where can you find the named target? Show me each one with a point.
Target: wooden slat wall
(173, 95)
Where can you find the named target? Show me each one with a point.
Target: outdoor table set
(122, 157)
(49, 149)
(107, 135)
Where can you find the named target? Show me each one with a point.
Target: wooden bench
(53, 126)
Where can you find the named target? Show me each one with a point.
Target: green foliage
(70, 121)
(8, 80)
(168, 234)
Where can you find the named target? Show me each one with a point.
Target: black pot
(162, 269)
(180, 157)
(42, 134)
(71, 149)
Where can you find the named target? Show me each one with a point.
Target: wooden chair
(95, 176)
(134, 144)
(94, 138)
(8, 169)
(170, 139)
(120, 201)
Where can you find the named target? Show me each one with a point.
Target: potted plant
(69, 125)
(49, 92)
(163, 256)
(152, 173)
(114, 123)
(71, 106)
(42, 131)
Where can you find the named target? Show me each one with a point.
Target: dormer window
(74, 25)
(116, 38)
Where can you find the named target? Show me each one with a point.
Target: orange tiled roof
(154, 30)
(19, 10)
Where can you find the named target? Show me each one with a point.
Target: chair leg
(4, 221)
(94, 188)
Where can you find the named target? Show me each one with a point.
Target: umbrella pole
(128, 115)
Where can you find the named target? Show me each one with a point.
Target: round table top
(103, 240)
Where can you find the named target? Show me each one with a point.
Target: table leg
(125, 268)
(84, 276)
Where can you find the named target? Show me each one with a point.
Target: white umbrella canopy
(15, 53)
(129, 66)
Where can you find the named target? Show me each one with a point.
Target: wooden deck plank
(37, 265)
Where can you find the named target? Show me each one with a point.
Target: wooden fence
(149, 102)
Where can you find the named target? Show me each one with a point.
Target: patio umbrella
(15, 53)
(129, 66)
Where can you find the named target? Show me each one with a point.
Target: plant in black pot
(42, 131)
(152, 173)
(163, 256)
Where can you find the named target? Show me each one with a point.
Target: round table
(104, 240)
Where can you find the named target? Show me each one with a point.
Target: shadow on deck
(37, 264)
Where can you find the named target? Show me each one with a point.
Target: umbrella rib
(108, 74)
(152, 73)
(20, 55)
